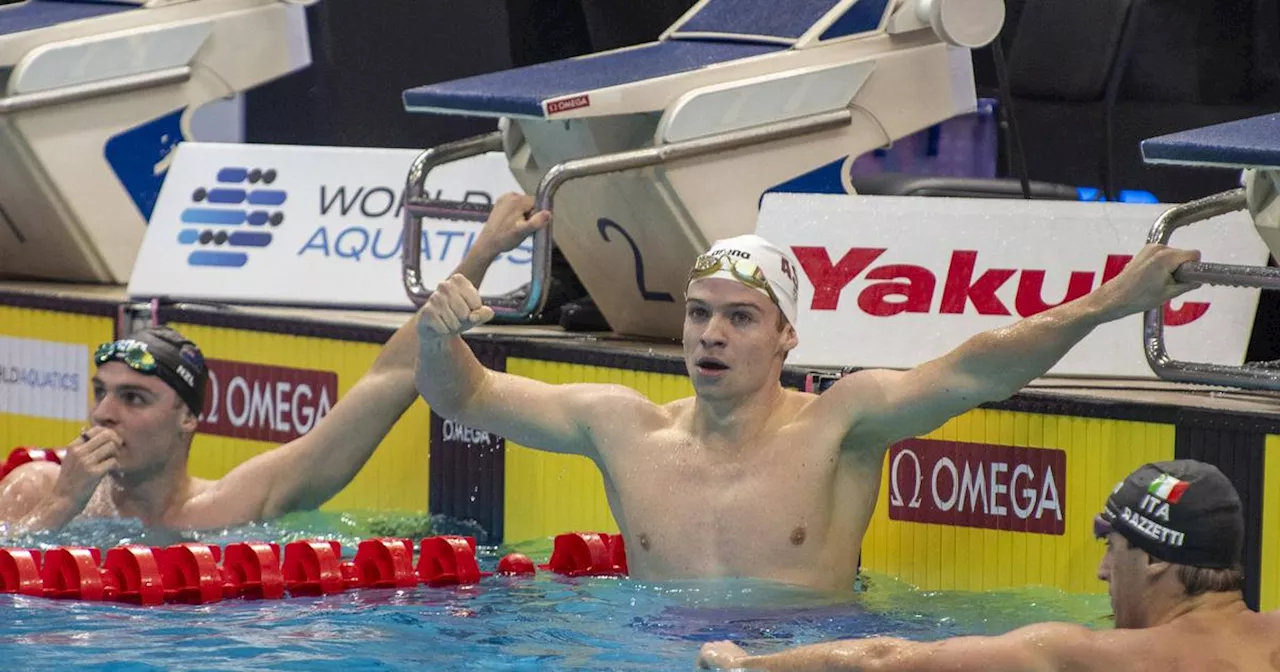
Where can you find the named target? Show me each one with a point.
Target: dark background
(1170, 64)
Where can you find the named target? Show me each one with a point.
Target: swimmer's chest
(778, 495)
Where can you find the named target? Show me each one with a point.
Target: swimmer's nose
(104, 414)
(713, 335)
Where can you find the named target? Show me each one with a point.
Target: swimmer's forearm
(1008, 358)
(479, 258)
(449, 375)
(869, 655)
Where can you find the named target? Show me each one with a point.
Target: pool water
(505, 623)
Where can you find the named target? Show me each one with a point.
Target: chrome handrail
(416, 202)
(1212, 274)
(418, 205)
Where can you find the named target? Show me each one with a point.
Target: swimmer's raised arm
(881, 406)
(532, 413)
(457, 386)
(308, 471)
(1047, 646)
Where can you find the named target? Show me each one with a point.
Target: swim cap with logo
(166, 354)
(756, 263)
(1181, 511)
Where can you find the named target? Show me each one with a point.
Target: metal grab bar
(418, 205)
(1233, 275)
(106, 87)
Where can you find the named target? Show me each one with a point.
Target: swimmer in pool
(1174, 533)
(149, 391)
(745, 478)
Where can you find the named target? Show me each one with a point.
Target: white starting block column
(665, 147)
(94, 96)
(1251, 145)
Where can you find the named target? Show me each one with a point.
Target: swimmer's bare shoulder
(570, 418)
(25, 487)
(206, 505)
(620, 407)
(873, 408)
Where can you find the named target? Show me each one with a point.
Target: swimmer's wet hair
(1200, 580)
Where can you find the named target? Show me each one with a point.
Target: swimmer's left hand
(721, 656)
(508, 224)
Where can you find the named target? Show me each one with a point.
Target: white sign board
(43, 379)
(309, 226)
(896, 281)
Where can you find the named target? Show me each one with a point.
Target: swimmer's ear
(190, 423)
(790, 339)
(1156, 568)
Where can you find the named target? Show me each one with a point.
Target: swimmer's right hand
(85, 462)
(453, 308)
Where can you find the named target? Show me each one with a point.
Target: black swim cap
(166, 354)
(1182, 511)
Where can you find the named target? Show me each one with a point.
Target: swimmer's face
(732, 341)
(146, 413)
(1126, 570)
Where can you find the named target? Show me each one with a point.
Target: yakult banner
(44, 379)
(893, 282)
(319, 226)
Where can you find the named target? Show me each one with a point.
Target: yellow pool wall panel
(396, 477)
(1100, 453)
(1269, 594)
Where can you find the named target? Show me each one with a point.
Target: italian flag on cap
(1168, 488)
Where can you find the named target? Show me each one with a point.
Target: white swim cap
(766, 265)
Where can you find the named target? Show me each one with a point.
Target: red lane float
(448, 561)
(313, 568)
(386, 563)
(515, 564)
(190, 573)
(20, 572)
(588, 554)
(132, 574)
(195, 573)
(251, 571)
(73, 574)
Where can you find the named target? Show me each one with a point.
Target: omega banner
(978, 485)
(265, 403)
(893, 282)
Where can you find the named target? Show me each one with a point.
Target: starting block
(1252, 146)
(127, 76)
(647, 154)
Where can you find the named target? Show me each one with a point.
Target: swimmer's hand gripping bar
(418, 205)
(1210, 274)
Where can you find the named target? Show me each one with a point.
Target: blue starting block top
(753, 18)
(1247, 143)
(523, 91)
(37, 14)
(719, 31)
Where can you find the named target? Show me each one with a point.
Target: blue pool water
(505, 623)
